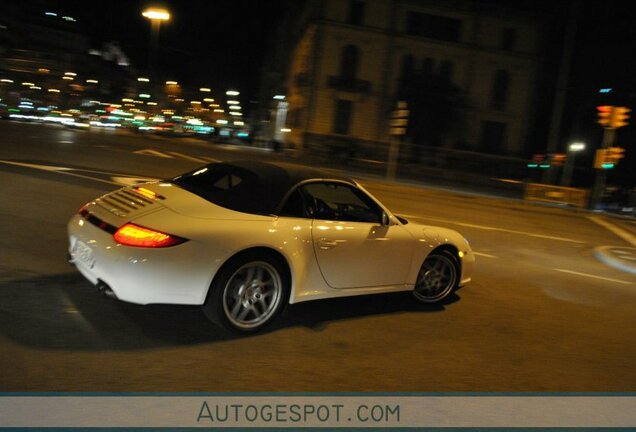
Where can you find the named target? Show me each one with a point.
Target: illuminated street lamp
(573, 149)
(155, 16)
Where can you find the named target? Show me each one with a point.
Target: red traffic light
(604, 115)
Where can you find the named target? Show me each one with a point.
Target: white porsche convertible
(242, 239)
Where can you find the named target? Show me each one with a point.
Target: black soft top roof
(249, 186)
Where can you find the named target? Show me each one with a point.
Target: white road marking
(117, 178)
(150, 152)
(209, 159)
(625, 235)
(594, 276)
(40, 167)
(483, 254)
(172, 155)
(488, 228)
(184, 156)
(59, 170)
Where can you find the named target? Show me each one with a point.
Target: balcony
(349, 84)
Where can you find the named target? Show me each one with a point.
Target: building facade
(347, 65)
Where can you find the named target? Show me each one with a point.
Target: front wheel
(437, 277)
(247, 293)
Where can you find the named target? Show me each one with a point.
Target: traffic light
(600, 161)
(558, 159)
(619, 117)
(612, 117)
(538, 161)
(604, 115)
(614, 155)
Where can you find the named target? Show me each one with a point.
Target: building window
(356, 12)
(349, 62)
(433, 26)
(500, 87)
(508, 39)
(493, 135)
(342, 117)
(446, 70)
(408, 65)
(428, 64)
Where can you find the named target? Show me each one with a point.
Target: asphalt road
(543, 313)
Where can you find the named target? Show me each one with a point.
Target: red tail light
(135, 235)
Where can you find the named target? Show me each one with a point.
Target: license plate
(81, 252)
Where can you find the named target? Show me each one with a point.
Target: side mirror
(386, 220)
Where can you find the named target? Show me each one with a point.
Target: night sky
(222, 42)
(205, 43)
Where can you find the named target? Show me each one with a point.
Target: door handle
(325, 244)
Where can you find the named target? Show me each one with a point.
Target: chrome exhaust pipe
(105, 290)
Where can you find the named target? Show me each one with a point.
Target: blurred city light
(279, 97)
(208, 100)
(234, 113)
(232, 93)
(577, 146)
(52, 90)
(156, 14)
(233, 102)
(144, 95)
(6, 80)
(70, 74)
(172, 83)
(205, 89)
(285, 130)
(219, 110)
(605, 90)
(30, 84)
(44, 70)
(221, 121)
(142, 79)
(50, 14)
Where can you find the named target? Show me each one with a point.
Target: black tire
(438, 277)
(248, 292)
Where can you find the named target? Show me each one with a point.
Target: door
(352, 247)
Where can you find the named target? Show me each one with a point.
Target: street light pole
(573, 149)
(155, 16)
(599, 181)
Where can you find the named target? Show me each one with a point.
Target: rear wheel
(437, 278)
(247, 293)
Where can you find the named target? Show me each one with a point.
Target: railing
(556, 194)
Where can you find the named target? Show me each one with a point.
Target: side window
(294, 206)
(340, 202)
